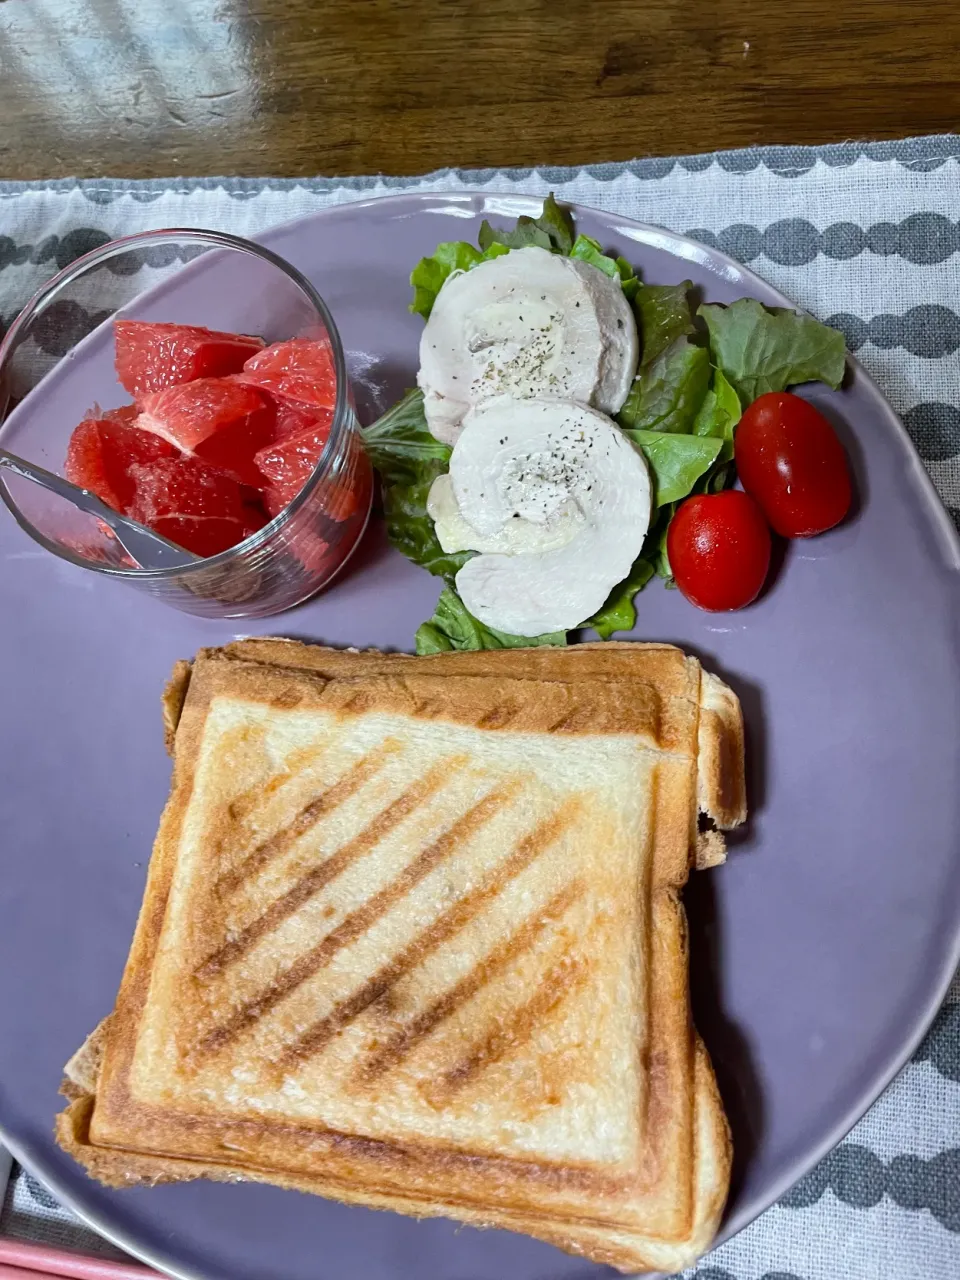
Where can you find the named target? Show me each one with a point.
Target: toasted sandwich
(412, 939)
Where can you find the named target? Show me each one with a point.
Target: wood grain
(296, 87)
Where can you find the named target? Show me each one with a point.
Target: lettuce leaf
(588, 250)
(655, 543)
(452, 627)
(552, 230)
(667, 394)
(408, 459)
(401, 439)
(663, 315)
(720, 411)
(673, 374)
(760, 349)
(428, 276)
(619, 612)
(676, 461)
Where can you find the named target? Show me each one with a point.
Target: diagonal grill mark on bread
(320, 876)
(497, 716)
(319, 807)
(560, 982)
(570, 720)
(247, 802)
(359, 921)
(443, 928)
(390, 1055)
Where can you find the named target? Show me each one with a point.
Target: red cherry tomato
(719, 550)
(789, 459)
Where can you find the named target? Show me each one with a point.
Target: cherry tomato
(790, 460)
(719, 550)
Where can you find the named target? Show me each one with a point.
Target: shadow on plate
(729, 1049)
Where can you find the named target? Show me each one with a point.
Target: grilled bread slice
(412, 939)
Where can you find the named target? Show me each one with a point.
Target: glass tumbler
(57, 366)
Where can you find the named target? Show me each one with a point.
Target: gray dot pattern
(929, 330)
(721, 1273)
(62, 250)
(859, 1178)
(915, 155)
(934, 428)
(63, 324)
(924, 239)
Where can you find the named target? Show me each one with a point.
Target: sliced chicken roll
(557, 501)
(530, 324)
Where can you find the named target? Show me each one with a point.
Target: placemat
(867, 237)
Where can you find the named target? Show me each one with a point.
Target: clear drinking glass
(56, 364)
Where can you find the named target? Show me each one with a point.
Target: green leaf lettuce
(428, 276)
(619, 611)
(452, 627)
(552, 230)
(760, 349)
(408, 459)
(676, 461)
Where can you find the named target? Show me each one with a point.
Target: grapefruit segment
(301, 370)
(102, 451)
(151, 356)
(288, 463)
(192, 504)
(293, 418)
(217, 420)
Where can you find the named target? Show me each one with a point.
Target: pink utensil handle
(22, 1261)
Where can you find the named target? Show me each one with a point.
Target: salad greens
(452, 627)
(618, 612)
(676, 461)
(552, 230)
(409, 459)
(668, 392)
(692, 382)
(429, 274)
(762, 349)
(719, 412)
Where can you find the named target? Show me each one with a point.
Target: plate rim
(684, 248)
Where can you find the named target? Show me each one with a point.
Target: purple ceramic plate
(820, 951)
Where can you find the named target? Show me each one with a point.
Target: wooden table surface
(292, 87)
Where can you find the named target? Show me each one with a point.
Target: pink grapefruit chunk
(288, 463)
(301, 370)
(217, 420)
(153, 356)
(192, 504)
(293, 418)
(102, 452)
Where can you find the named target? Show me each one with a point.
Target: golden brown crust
(653, 1214)
(621, 1250)
(675, 680)
(721, 786)
(83, 1070)
(174, 694)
